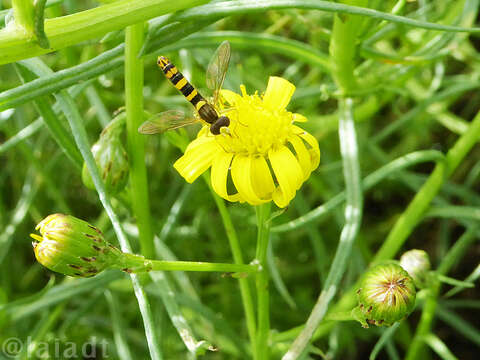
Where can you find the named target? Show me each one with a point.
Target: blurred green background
(419, 91)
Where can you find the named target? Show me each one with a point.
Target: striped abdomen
(205, 110)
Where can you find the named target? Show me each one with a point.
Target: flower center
(254, 127)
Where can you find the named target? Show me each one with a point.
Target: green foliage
(390, 89)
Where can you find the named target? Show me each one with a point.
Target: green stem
(135, 141)
(51, 120)
(39, 23)
(343, 48)
(89, 24)
(245, 291)
(416, 348)
(24, 14)
(263, 295)
(136, 263)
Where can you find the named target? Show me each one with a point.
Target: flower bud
(112, 162)
(73, 247)
(386, 295)
(417, 264)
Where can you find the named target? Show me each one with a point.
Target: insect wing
(168, 120)
(217, 68)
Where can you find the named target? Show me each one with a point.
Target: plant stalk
(245, 291)
(132, 263)
(343, 48)
(85, 25)
(136, 141)
(263, 295)
(24, 14)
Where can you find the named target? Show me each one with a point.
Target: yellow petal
(303, 156)
(204, 131)
(199, 141)
(288, 173)
(262, 181)
(229, 96)
(314, 149)
(196, 161)
(220, 167)
(299, 118)
(242, 178)
(278, 93)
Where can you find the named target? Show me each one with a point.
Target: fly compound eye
(222, 121)
(215, 130)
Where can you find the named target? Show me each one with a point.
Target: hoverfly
(206, 111)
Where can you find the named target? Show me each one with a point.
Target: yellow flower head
(262, 154)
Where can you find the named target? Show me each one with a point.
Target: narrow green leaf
(58, 131)
(277, 278)
(244, 40)
(439, 347)
(474, 276)
(459, 324)
(229, 8)
(168, 297)
(455, 282)
(62, 79)
(386, 336)
(26, 307)
(29, 191)
(119, 327)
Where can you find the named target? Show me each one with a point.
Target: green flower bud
(417, 264)
(73, 247)
(386, 295)
(112, 162)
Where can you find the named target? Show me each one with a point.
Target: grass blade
(439, 347)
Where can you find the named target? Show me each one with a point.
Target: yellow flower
(262, 154)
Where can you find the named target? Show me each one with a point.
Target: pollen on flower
(255, 128)
(263, 153)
